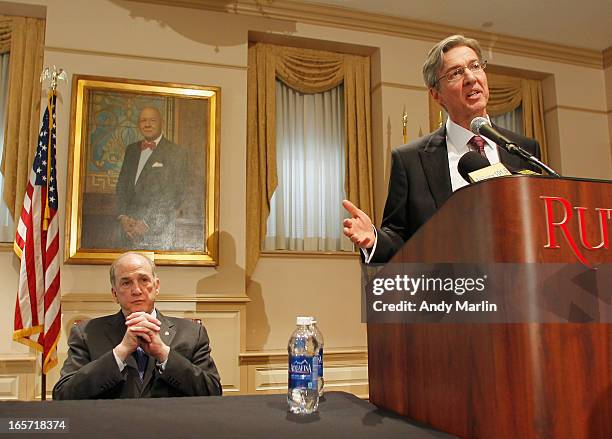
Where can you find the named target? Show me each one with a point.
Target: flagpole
(54, 74)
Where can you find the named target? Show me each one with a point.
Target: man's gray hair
(435, 58)
(116, 261)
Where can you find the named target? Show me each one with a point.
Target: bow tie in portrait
(150, 145)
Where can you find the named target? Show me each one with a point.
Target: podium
(505, 380)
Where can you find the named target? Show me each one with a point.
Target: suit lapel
(167, 330)
(434, 158)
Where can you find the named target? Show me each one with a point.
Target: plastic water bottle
(319, 337)
(303, 392)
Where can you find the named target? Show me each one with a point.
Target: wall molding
(580, 109)
(106, 297)
(346, 369)
(399, 85)
(309, 255)
(280, 356)
(142, 58)
(18, 373)
(334, 16)
(18, 361)
(6, 247)
(607, 57)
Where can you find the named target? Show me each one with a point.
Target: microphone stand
(513, 148)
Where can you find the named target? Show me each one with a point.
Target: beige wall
(134, 40)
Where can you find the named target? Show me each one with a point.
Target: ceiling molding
(383, 24)
(142, 58)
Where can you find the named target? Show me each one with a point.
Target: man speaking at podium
(137, 352)
(424, 173)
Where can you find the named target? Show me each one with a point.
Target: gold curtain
(6, 23)
(308, 71)
(21, 130)
(506, 94)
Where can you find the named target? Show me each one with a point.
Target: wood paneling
(527, 380)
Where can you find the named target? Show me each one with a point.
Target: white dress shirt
(457, 139)
(144, 156)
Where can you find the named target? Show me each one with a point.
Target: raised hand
(359, 227)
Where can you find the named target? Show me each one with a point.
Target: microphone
(481, 126)
(471, 161)
(475, 167)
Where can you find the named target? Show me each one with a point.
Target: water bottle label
(303, 371)
(320, 362)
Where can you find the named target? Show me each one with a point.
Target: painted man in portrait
(150, 187)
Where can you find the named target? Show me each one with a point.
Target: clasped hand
(133, 228)
(143, 330)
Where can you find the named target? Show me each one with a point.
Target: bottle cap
(303, 320)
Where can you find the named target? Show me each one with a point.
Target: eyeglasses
(458, 73)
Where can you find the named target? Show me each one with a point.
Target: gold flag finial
(55, 75)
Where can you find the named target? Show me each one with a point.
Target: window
(308, 75)
(305, 211)
(7, 226)
(512, 120)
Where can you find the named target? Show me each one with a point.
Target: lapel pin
(166, 333)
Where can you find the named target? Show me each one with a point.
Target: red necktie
(150, 145)
(478, 144)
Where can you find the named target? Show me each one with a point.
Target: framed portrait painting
(143, 171)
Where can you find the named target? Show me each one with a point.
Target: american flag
(38, 308)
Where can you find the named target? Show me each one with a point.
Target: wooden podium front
(520, 380)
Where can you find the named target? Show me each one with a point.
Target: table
(340, 415)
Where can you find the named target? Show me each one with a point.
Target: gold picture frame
(143, 171)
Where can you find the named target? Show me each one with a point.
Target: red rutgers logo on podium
(583, 220)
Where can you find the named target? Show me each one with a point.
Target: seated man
(138, 352)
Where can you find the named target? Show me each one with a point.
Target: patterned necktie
(478, 144)
(147, 145)
(141, 359)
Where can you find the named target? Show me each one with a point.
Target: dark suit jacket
(420, 184)
(157, 194)
(91, 371)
